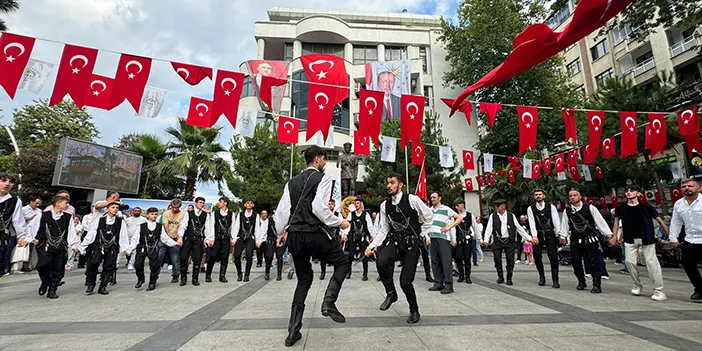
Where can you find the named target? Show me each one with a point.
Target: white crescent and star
(531, 119)
(626, 123)
(136, 63)
(416, 109)
(186, 73)
(285, 126)
(321, 74)
(78, 57)
(375, 104)
(98, 82)
(11, 58)
(653, 124)
(326, 98)
(686, 112)
(606, 143)
(197, 108)
(228, 79)
(418, 150)
(469, 157)
(599, 122)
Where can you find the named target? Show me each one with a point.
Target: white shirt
(237, 224)
(504, 232)
(134, 241)
(186, 219)
(92, 234)
(416, 204)
(28, 213)
(689, 215)
(600, 223)
(33, 228)
(555, 220)
(134, 224)
(320, 207)
(477, 229)
(210, 225)
(18, 226)
(369, 224)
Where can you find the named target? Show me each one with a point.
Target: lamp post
(17, 152)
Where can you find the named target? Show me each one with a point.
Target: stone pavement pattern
(253, 316)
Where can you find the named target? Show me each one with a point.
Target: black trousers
(247, 246)
(409, 256)
(108, 258)
(192, 248)
(591, 252)
(260, 251)
(353, 247)
(51, 266)
(462, 255)
(4, 243)
(509, 249)
(691, 255)
(271, 250)
(424, 251)
(154, 264)
(302, 247)
(219, 252)
(441, 263)
(550, 243)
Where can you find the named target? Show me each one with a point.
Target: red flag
(99, 92)
(74, 73)
(560, 163)
(513, 160)
(547, 165)
(595, 123)
(130, 80)
(570, 127)
(642, 198)
(361, 144)
(192, 74)
(480, 181)
(615, 201)
(491, 110)
(589, 156)
(538, 42)
(227, 92)
(265, 90)
(688, 121)
(370, 113)
(200, 113)
(502, 172)
(331, 71)
(411, 118)
(288, 129)
(629, 134)
(486, 180)
(468, 160)
(657, 197)
(591, 201)
(603, 203)
(658, 136)
(422, 185)
(17, 49)
(536, 170)
(608, 149)
(469, 184)
(574, 173)
(492, 179)
(598, 172)
(693, 144)
(511, 175)
(675, 194)
(528, 123)
(466, 107)
(573, 157)
(418, 154)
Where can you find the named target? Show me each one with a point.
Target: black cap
(499, 202)
(113, 203)
(459, 201)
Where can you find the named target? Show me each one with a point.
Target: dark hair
(199, 198)
(8, 176)
(539, 190)
(177, 202)
(110, 193)
(400, 177)
(136, 208)
(633, 188)
(152, 210)
(312, 152)
(438, 193)
(56, 199)
(332, 200)
(459, 201)
(225, 199)
(33, 197)
(685, 181)
(64, 191)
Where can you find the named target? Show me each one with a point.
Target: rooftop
(286, 14)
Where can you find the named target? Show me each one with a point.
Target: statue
(349, 171)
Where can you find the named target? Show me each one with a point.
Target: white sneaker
(170, 266)
(588, 275)
(130, 267)
(605, 277)
(517, 262)
(636, 290)
(658, 296)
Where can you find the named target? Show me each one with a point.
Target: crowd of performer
(307, 227)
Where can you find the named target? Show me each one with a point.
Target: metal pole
(17, 152)
(292, 156)
(406, 169)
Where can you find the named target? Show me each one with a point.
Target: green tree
(154, 185)
(7, 6)
(261, 166)
(197, 156)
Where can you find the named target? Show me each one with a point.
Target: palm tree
(156, 157)
(7, 6)
(196, 156)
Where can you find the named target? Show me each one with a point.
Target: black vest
(464, 229)
(497, 228)
(271, 235)
(7, 209)
(402, 219)
(582, 226)
(148, 240)
(53, 234)
(108, 235)
(223, 225)
(302, 218)
(359, 229)
(247, 226)
(543, 219)
(196, 224)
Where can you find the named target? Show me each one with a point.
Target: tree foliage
(156, 157)
(7, 6)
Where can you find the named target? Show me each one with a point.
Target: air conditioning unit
(650, 195)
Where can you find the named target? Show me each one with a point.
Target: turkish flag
(422, 185)
(513, 160)
(546, 165)
(74, 73)
(192, 74)
(574, 173)
(468, 160)
(492, 179)
(227, 92)
(469, 184)
(642, 198)
(486, 180)
(288, 128)
(657, 197)
(528, 123)
(675, 194)
(265, 90)
(594, 126)
(615, 201)
(573, 157)
(130, 80)
(538, 42)
(370, 113)
(688, 123)
(589, 156)
(629, 134)
(490, 109)
(17, 49)
(418, 154)
(570, 127)
(99, 93)
(329, 70)
(361, 144)
(511, 175)
(656, 131)
(603, 203)
(693, 144)
(591, 201)
(560, 163)
(200, 113)
(411, 118)
(608, 149)
(598, 172)
(480, 180)
(465, 106)
(536, 170)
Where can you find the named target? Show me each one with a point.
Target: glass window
(581, 90)
(603, 77)
(363, 54)
(599, 50)
(559, 17)
(247, 89)
(621, 33)
(573, 67)
(288, 52)
(314, 48)
(425, 59)
(395, 53)
(641, 59)
(300, 89)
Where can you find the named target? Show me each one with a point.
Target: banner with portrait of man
(392, 78)
(693, 165)
(277, 69)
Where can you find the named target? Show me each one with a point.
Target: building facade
(360, 37)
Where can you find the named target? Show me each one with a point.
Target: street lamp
(14, 144)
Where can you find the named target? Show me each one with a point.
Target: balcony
(682, 46)
(643, 67)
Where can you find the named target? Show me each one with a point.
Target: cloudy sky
(215, 33)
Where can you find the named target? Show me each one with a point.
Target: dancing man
(362, 230)
(247, 237)
(545, 225)
(219, 236)
(191, 241)
(145, 244)
(467, 232)
(12, 224)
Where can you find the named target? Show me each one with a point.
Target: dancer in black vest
(359, 236)
(247, 238)
(109, 233)
(52, 233)
(267, 227)
(466, 232)
(12, 224)
(583, 224)
(333, 231)
(303, 214)
(193, 241)
(545, 225)
(503, 227)
(144, 245)
(219, 233)
(399, 226)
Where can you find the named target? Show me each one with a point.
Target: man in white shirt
(192, 240)
(687, 212)
(134, 223)
(219, 235)
(145, 244)
(12, 223)
(359, 236)
(247, 236)
(466, 233)
(29, 212)
(503, 227)
(545, 225)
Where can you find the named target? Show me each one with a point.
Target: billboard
(392, 78)
(277, 69)
(693, 164)
(82, 164)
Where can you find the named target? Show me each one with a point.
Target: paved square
(253, 316)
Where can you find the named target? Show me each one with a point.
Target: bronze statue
(349, 171)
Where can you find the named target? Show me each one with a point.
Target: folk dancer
(467, 232)
(545, 225)
(267, 229)
(219, 233)
(145, 244)
(359, 237)
(245, 228)
(192, 241)
(12, 224)
(334, 231)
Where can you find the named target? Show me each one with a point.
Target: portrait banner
(393, 79)
(277, 69)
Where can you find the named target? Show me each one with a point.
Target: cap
(499, 202)
(459, 201)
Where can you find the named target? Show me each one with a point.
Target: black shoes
(196, 282)
(696, 296)
(90, 289)
(436, 288)
(223, 279)
(461, 278)
(330, 310)
(267, 276)
(322, 275)
(139, 284)
(365, 277)
(378, 279)
(413, 317)
(42, 290)
(500, 280)
(103, 290)
(556, 285)
(389, 300)
(183, 280)
(429, 278)
(208, 278)
(238, 277)
(279, 277)
(581, 285)
(542, 281)
(596, 290)
(468, 281)
(292, 339)
(291, 274)
(246, 278)
(509, 282)
(52, 294)
(259, 264)
(174, 279)
(447, 290)
(348, 275)
(151, 286)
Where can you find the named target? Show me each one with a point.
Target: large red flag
(589, 156)
(265, 90)
(658, 137)
(560, 163)
(538, 42)
(468, 160)
(130, 80)
(418, 154)
(688, 121)
(370, 113)
(99, 92)
(528, 123)
(227, 92)
(329, 70)
(411, 118)
(288, 129)
(361, 144)
(570, 127)
(17, 49)
(595, 123)
(629, 134)
(693, 144)
(491, 110)
(422, 185)
(74, 73)
(675, 194)
(466, 107)
(608, 149)
(192, 74)
(200, 113)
